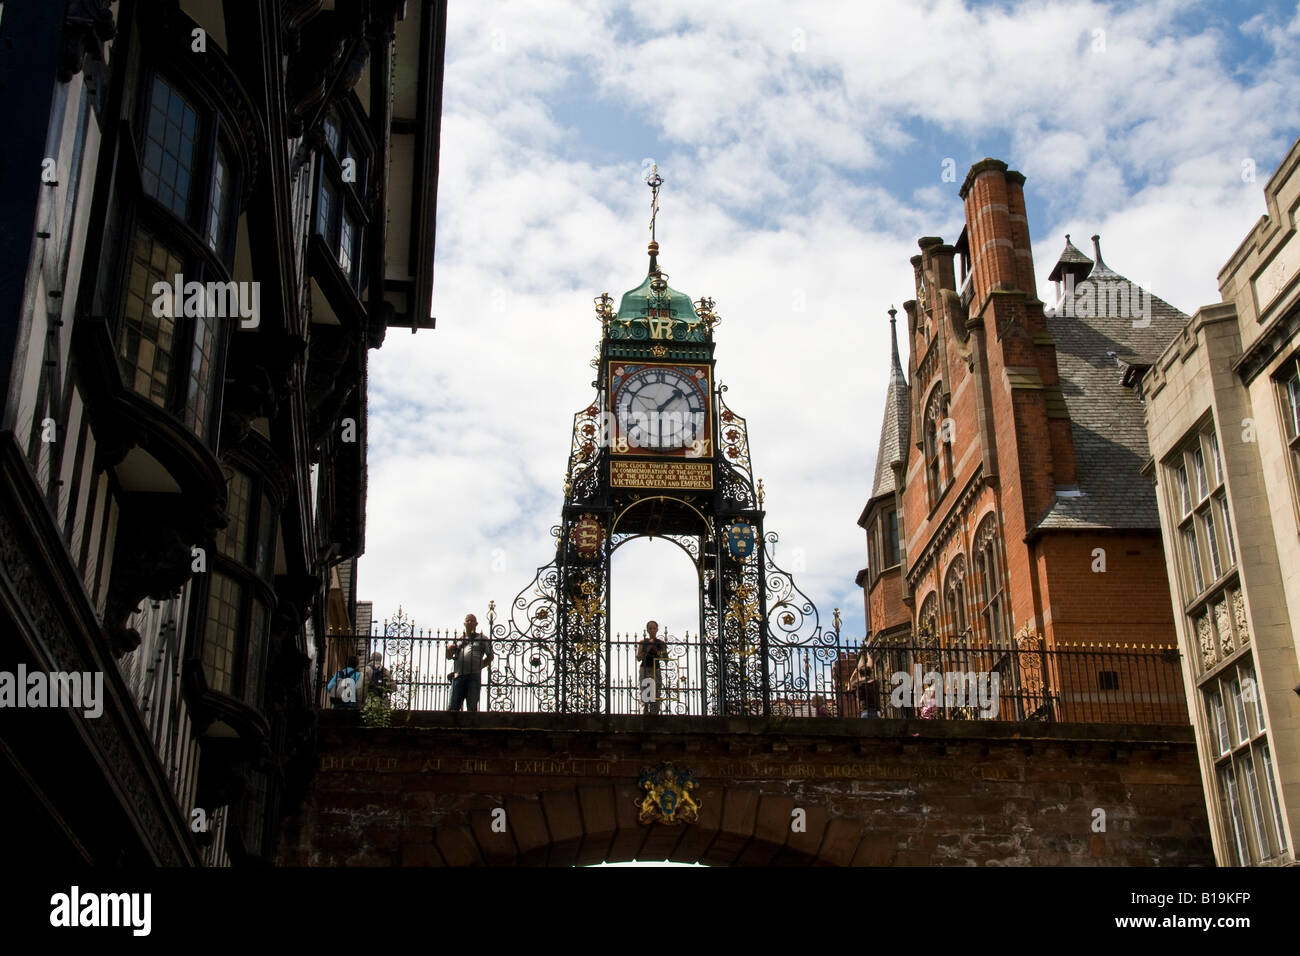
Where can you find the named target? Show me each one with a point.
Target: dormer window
(190, 179)
(221, 207)
(237, 614)
(333, 138)
(167, 168)
(185, 164)
(341, 217)
(885, 552)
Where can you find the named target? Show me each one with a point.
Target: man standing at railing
(650, 652)
(471, 654)
(863, 683)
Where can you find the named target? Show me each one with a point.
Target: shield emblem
(588, 535)
(741, 539)
(668, 798)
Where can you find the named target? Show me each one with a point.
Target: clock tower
(657, 453)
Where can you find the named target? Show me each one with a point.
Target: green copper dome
(655, 310)
(648, 313)
(638, 303)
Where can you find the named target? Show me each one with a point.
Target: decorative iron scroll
(524, 666)
(800, 651)
(735, 477)
(397, 645)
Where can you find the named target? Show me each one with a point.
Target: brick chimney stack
(1036, 448)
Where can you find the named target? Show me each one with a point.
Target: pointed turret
(895, 428)
(1071, 262)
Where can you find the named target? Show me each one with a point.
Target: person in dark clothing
(868, 690)
(650, 652)
(377, 678)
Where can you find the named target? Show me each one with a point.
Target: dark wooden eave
(426, 127)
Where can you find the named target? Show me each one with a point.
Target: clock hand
(676, 395)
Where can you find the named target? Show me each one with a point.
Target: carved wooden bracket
(87, 26)
(151, 559)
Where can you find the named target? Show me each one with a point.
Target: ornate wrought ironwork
(735, 475)
(809, 679)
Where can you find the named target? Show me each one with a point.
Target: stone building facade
(1223, 414)
(1011, 455)
(183, 473)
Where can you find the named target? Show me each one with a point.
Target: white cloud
(793, 175)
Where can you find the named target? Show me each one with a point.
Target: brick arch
(877, 792)
(588, 824)
(930, 606)
(956, 606)
(988, 567)
(978, 519)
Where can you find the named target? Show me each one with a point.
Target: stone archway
(580, 825)
(465, 789)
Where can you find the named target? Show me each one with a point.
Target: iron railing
(1077, 683)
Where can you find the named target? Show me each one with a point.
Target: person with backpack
(377, 678)
(342, 687)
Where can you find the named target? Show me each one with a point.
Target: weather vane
(654, 181)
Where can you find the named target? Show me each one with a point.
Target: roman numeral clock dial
(660, 408)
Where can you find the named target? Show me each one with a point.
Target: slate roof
(1106, 418)
(896, 427)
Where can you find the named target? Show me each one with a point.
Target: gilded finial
(704, 308)
(604, 309)
(760, 492)
(654, 181)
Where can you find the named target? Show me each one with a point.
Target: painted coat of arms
(588, 535)
(740, 539)
(668, 797)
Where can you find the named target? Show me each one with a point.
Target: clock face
(661, 407)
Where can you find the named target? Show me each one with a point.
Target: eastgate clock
(660, 408)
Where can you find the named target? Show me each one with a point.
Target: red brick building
(1008, 506)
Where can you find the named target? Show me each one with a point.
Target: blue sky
(803, 146)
